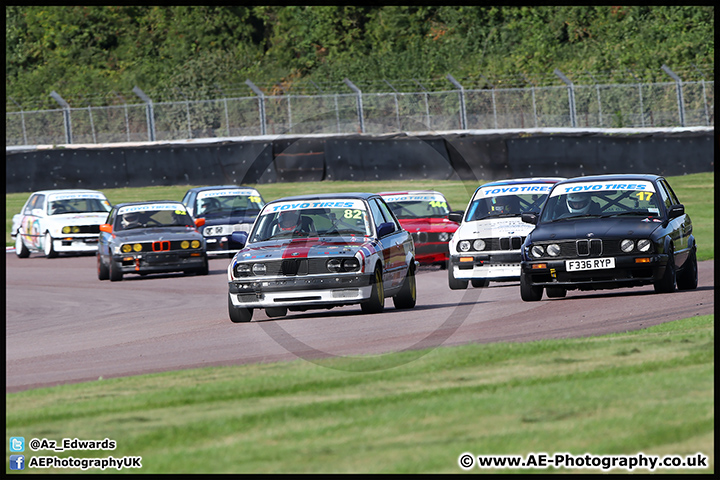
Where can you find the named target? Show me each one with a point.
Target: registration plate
(589, 264)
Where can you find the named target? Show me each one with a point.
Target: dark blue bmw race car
(609, 231)
(226, 209)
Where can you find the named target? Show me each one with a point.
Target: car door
(395, 245)
(679, 228)
(33, 213)
(105, 238)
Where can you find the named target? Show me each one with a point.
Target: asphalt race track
(63, 325)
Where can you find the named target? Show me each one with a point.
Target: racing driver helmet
(578, 203)
(288, 220)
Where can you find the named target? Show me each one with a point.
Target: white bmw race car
(60, 221)
(487, 245)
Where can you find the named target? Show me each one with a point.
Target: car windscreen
(417, 205)
(311, 219)
(58, 205)
(602, 199)
(506, 201)
(152, 216)
(225, 203)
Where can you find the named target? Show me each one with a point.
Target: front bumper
(221, 246)
(498, 267)
(74, 244)
(159, 262)
(627, 273)
(305, 291)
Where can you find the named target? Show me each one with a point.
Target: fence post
(149, 112)
(571, 96)
(66, 116)
(261, 100)
(678, 89)
(355, 89)
(463, 114)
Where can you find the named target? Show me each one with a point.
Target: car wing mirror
(385, 229)
(106, 227)
(456, 216)
(239, 237)
(529, 217)
(676, 211)
(199, 222)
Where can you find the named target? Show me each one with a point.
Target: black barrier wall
(362, 158)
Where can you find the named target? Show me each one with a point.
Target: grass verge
(649, 391)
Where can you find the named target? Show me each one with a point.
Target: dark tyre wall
(362, 158)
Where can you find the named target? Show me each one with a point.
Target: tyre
(454, 283)
(666, 284)
(407, 298)
(480, 282)
(687, 278)
(528, 292)
(204, 270)
(48, 247)
(239, 314)
(276, 311)
(20, 249)
(102, 269)
(555, 292)
(115, 271)
(376, 303)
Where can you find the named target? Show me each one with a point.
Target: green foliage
(85, 51)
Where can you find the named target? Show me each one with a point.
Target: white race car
(487, 245)
(60, 221)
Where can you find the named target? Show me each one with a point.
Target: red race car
(424, 213)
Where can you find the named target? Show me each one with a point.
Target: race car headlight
(553, 250)
(464, 246)
(537, 251)
(334, 265)
(644, 245)
(337, 265)
(479, 245)
(66, 230)
(137, 247)
(351, 264)
(76, 229)
(627, 245)
(259, 269)
(127, 248)
(444, 236)
(242, 270)
(184, 244)
(195, 244)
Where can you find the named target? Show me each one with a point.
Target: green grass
(696, 191)
(649, 391)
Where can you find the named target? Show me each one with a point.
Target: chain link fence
(672, 104)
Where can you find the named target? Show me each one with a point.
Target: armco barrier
(452, 155)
